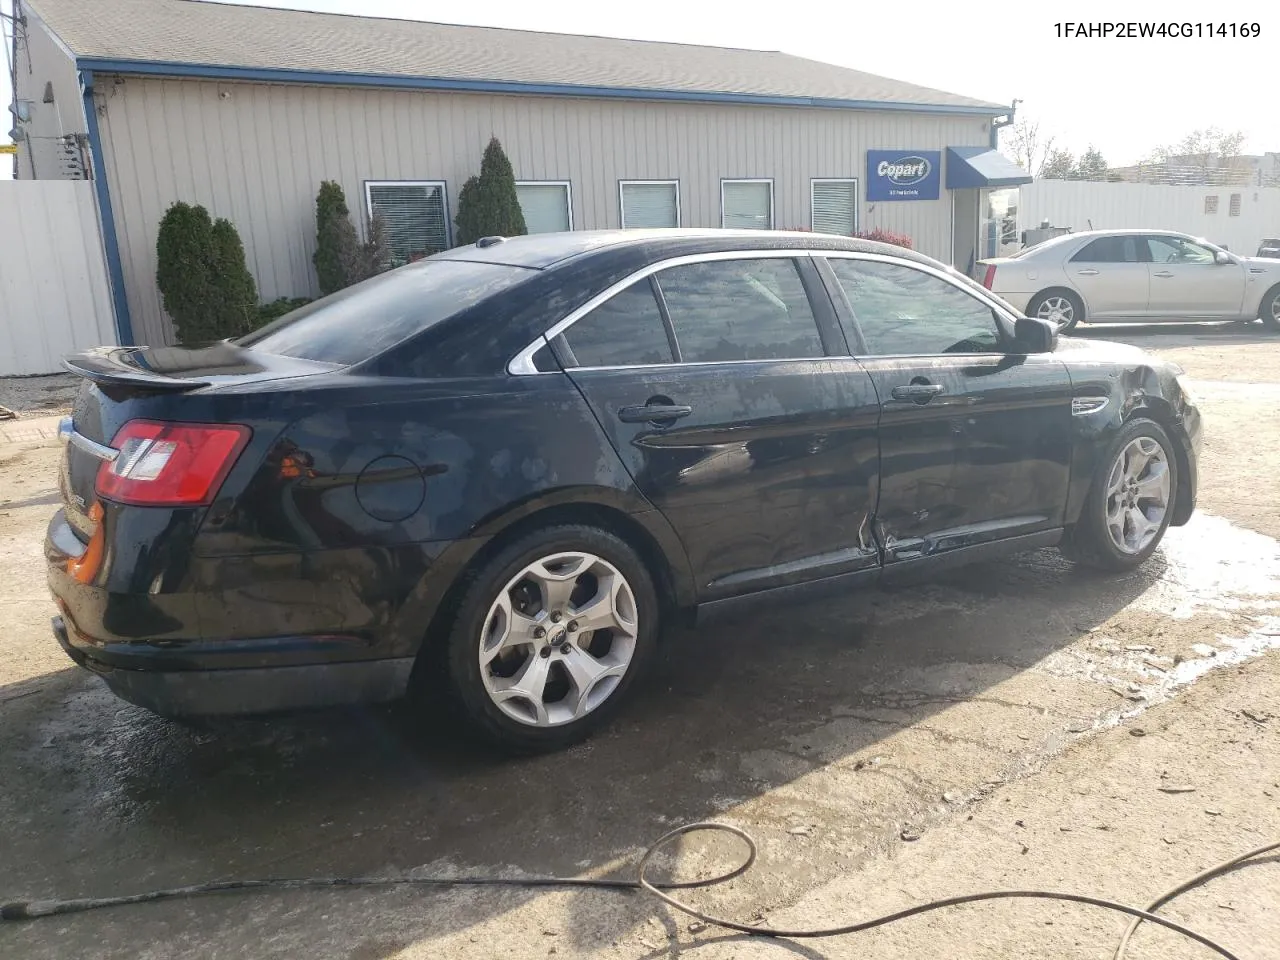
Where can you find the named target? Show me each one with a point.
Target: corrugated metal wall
(256, 153)
(54, 297)
(41, 62)
(1116, 206)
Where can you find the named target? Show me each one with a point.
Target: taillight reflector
(989, 277)
(170, 464)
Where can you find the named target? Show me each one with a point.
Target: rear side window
(360, 322)
(1109, 250)
(903, 311)
(624, 331)
(726, 310)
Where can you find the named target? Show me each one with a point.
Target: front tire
(1060, 307)
(1130, 502)
(1269, 312)
(549, 636)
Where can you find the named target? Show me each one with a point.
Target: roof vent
(490, 242)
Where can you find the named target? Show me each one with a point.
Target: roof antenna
(1090, 223)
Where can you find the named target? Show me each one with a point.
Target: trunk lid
(127, 383)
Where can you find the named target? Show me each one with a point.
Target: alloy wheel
(1138, 491)
(1057, 310)
(558, 639)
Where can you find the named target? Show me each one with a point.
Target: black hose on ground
(35, 909)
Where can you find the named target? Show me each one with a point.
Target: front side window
(904, 311)
(727, 310)
(414, 215)
(746, 204)
(624, 331)
(1178, 250)
(546, 205)
(1109, 250)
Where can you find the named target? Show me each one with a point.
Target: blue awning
(982, 167)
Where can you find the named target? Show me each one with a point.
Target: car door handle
(1087, 273)
(1163, 274)
(918, 392)
(653, 412)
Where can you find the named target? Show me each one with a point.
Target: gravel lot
(990, 719)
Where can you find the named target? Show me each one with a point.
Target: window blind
(835, 207)
(414, 215)
(747, 205)
(545, 206)
(650, 205)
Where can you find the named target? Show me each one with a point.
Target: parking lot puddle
(1213, 569)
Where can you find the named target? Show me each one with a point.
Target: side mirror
(1032, 335)
(1221, 257)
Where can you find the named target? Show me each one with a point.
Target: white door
(1186, 280)
(1111, 276)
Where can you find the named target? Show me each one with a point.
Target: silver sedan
(1126, 276)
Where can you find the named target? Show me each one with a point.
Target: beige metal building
(247, 109)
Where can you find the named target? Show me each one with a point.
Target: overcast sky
(1124, 96)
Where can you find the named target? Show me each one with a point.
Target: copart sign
(903, 174)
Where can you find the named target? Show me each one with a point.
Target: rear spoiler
(105, 376)
(158, 369)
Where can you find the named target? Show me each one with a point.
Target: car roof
(541, 251)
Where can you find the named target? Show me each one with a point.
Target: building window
(1211, 204)
(1234, 209)
(649, 204)
(415, 215)
(833, 206)
(547, 205)
(746, 204)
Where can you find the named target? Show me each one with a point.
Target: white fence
(1184, 208)
(54, 294)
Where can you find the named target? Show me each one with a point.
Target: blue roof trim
(168, 68)
(110, 243)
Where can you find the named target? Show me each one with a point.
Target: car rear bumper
(244, 690)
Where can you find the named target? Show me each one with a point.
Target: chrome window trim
(522, 363)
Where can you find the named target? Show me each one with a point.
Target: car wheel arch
(1159, 410)
(1272, 291)
(666, 561)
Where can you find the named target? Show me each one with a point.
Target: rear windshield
(1045, 244)
(360, 322)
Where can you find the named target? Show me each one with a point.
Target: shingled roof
(113, 34)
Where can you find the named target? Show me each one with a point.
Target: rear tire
(1269, 311)
(1060, 307)
(548, 638)
(1130, 502)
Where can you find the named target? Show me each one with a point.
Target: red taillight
(170, 464)
(989, 277)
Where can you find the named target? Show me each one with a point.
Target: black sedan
(493, 474)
